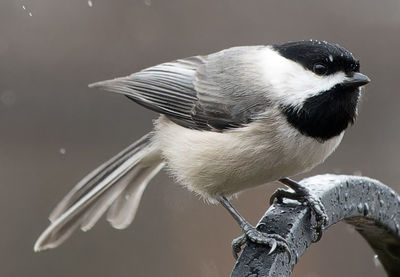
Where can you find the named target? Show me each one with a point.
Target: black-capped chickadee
(232, 120)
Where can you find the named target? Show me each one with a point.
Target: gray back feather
(215, 92)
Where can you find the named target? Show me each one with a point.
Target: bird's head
(316, 85)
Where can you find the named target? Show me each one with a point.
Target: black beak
(357, 80)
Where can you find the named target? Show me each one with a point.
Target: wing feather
(200, 92)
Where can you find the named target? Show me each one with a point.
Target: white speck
(90, 3)
(377, 263)
(63, 151)
(30, 14)
(331, 58)
(8, 98)
(23, 7)
(147, 2)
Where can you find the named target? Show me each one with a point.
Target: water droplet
(147, 2)
(23, 6)
(30, 14)
(331, 58)
(63, 151)
(377, 263)
(366, 209)
(8, 98)
(90, 3)
(360, 208)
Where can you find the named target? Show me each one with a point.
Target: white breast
(214, 164)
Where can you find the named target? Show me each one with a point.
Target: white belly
(214, 163)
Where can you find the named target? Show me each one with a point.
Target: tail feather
(124, 208)
(104, 202)
(131, 169)
(94, 177)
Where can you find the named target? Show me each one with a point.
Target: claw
(273, 247)
(235, 254)
(302, 195)
(237, 245)
(320, 216)
(272, 240)
(251, 233)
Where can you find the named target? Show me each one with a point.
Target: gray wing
(214, 92)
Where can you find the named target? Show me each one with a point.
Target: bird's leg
(302, 195)
(251, 233)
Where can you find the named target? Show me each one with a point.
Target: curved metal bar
(370, 206)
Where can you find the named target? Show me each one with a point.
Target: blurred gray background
(54, 130)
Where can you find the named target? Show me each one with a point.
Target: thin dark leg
(251, 233)
(244, 225)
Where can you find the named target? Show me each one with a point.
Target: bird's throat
(326, 114)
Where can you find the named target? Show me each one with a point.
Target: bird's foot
(302, 195)
(272, 240)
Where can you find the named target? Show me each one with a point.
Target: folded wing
(201, 92)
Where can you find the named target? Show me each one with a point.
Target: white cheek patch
(290, 83)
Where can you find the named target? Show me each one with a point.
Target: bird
(229, 121)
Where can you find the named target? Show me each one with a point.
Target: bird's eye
(320, 69)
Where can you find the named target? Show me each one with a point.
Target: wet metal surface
(370, 206)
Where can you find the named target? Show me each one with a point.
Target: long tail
(116, 186)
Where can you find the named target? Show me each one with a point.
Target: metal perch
(370, 206)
